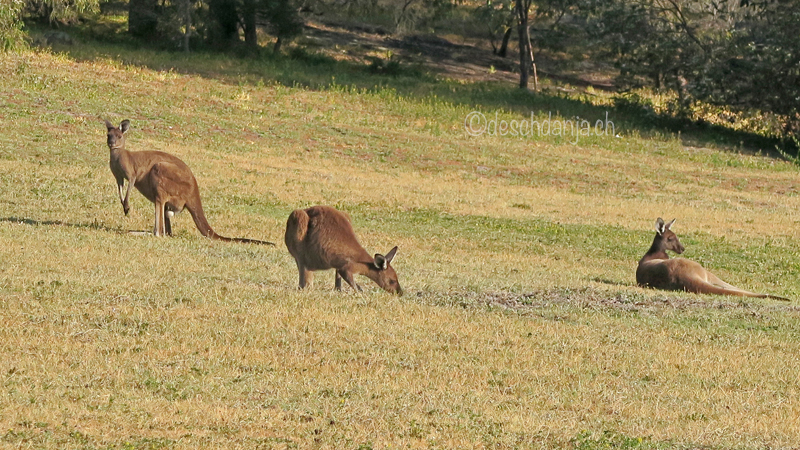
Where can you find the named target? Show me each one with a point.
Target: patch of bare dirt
(592, 298)
(447, 59)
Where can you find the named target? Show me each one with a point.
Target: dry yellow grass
(113, 340)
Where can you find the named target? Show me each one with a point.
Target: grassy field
(521, 326)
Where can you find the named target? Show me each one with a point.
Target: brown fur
(163, 179)
(657, 270)
(322, 238)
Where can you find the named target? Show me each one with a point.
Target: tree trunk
(249, 12)
(143, 18)
(522, 9)
(187, 22)
(533, 65)
(226, 19)
(504, 45)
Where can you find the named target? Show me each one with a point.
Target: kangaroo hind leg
(159, 226)
(168, 223)
(306, 276)
(716, 281)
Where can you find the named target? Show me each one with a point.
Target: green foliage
(11, 35)
(282, 19)
(222, 24)
(652, 41)
(173, 25)
(64, 11)
(218, 22)
(759, 65)
(794, 159)
(497, 19)
(742, 55)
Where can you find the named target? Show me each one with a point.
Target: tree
(224, 26)
(49, 11)
(64, 11)
(11, 35)
(249, 13)
(143, 18)
(522, 9)
(279, 16)
(282, 20)
(757, 64)
(498, 16)
(187, 13)
(665, 41)
(554, 11)
(177, 24)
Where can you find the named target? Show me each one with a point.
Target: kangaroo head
(116, 136)
(669, 240)
(384, 274)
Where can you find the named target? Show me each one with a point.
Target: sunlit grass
(521, 326)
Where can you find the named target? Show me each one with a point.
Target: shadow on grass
(305, 69)
(84, 226)
(613, 282)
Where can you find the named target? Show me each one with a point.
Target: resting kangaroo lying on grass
(164, 179)
(657, 270)
(321, 238)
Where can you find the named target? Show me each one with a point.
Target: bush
(11, 35)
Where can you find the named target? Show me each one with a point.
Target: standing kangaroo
(657, 270)
(164, 179)
(321, 238)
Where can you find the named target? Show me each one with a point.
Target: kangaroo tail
(296, 229)
(703, 287)
(205, 229)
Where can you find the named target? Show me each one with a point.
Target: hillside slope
(521, 327)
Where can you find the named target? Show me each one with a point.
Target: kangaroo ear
(390, 255)
(109, 125)
(667, 226)
(124, 125)
(660, 227)
(380, 262)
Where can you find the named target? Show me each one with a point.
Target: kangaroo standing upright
(164, 179)
(657, 270)
(321, 238)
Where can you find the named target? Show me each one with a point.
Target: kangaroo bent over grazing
(657, 270)
(321, 238)
(164, 179)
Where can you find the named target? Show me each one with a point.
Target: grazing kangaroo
(321, 238)
(164, 179)
(657, 270)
